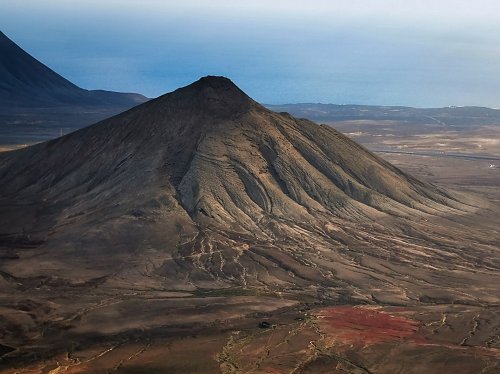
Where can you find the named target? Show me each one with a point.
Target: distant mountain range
(456, 116)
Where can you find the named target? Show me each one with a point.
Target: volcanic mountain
(204, 188)
(26, 82)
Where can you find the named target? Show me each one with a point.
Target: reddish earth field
(364, 326)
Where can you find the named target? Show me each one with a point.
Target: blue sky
(385, 52)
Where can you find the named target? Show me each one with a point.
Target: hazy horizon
(420, 54)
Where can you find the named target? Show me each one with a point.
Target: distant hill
(25, 83)
(37, 104)
(457, 116)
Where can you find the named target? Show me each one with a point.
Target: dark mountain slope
(213, 130)
(205, 188)
(25, 82)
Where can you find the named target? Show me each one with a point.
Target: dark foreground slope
(36, 103)
(27, 83)
(202, 205)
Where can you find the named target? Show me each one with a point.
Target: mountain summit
(215, 89)
(205, 188)
(211, 95)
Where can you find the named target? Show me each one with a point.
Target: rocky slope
(203, 188)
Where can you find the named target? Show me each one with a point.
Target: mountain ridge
(25, 82)
(463, 116)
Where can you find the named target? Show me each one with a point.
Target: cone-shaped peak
(216, 82)
(212, 94)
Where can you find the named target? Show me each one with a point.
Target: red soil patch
(364, 326)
